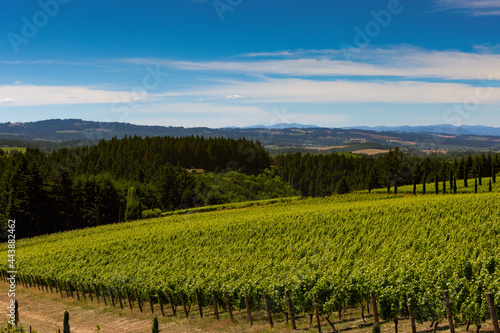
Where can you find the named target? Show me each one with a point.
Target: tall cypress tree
(475, 185)
(466, 175)
(16, 313)
(493, 173)
(490, 187)
(436, 183)
(155, 328)
(66, 322)
(455, 186)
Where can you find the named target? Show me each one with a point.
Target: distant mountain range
(56, 133)
(437, 129)
(282, 126)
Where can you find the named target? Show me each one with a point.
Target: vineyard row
(125, 297)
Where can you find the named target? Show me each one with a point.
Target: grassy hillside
(340, 247)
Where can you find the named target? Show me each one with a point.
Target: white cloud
(396, 62)
(222, 115)
(26, 95)
(343, 91)
(234, 97)
(200, 114)
(472, 7)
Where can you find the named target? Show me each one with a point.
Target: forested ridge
(121, 179)
(134, 177)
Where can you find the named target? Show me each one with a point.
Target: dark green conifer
(155, 328)
(66, 322)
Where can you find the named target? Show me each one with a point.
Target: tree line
(318, 175)
(134, 177)
(117, 180)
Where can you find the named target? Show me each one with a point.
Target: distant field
(370, 151)
(340, 247)
(9, 150)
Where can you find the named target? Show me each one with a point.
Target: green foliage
(422, 245)
(151, 213)
(88, 186)
(133, 210)
(8, 328)
(230, 187)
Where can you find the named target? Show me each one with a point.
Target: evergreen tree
(466, 172)
(342, 187)
(388, 186)
(444, 185)
(436, 183)
(475, 185)
(414, 185)
(133, 208)
(479, 174)
(423, 185)
(16, 313)
(490, 187)
(155, 328)
(455, 186)
(66, 322)
(493, 171)
(395, 187)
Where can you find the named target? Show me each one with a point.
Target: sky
(218, 63)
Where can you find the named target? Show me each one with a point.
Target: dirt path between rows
(44, 312)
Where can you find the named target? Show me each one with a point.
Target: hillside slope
(340, 247)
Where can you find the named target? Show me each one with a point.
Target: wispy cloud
(343, 91)
(471, 7)
(406, 62)
(28, 95)
(218, 115)
(201, 114)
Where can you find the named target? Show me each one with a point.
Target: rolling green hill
(340, 247)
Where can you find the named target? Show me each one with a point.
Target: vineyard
(339, 248)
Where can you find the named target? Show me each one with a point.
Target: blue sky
(219, 63)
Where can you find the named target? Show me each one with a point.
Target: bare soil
(371, 151)
(43, 311)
